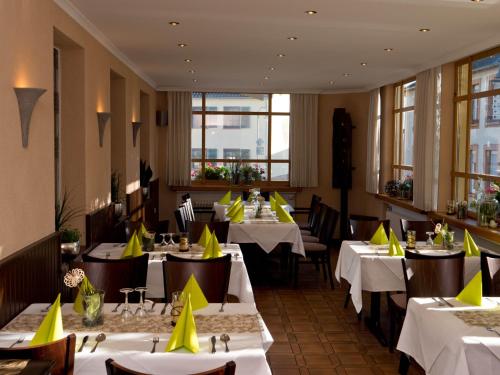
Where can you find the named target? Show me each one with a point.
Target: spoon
(116, 307)
(156, 340)
(84, 341)
(225, 338)
(19, 341)
(100, 338)
(212, 340)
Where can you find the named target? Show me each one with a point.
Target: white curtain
(426, 145)
(179, 139)
(373, 143)
(303, 140)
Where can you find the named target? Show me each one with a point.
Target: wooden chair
(420, 227)
(228, 369)
(162, 227)
(316, 224)
(307, 227)
(363, 230)
(113, 368)
(188, 204)
(320, 251)
(490, 271)
(195, 229)
(111, 275)
(179, 219)
(211, 274)
(430, 276)
(62, 352)
(131, 227)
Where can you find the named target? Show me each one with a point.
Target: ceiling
(234, 43)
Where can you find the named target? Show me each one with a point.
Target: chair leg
(392, 327)
(296, 271)
(330, 274)
(323, 264)
(404, 364)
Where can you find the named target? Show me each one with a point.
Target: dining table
(239, 281)
(266, 231)
(130, 343)
(445, 336)
(368, 267)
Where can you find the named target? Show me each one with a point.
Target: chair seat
(312, 239)
(305, 232)
(399, 300)
(303, 225)
(314, 246)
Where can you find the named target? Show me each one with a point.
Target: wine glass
(126, 313)
(163, 242)
(429, 241)
(171, 243)
(141, 310)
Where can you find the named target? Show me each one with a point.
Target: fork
(47, 308)
(19, 341)
(156, 340)
(491, 329)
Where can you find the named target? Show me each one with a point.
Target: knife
(445, 301)
(213, 339)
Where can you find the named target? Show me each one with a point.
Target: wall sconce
(102, 120)
(26, 100)
(136, 125)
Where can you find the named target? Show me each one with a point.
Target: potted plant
(247, 174)
(145, 175)
(392, 188)
(70, 241)
(116, 194)
(70, 238)
(406, 188)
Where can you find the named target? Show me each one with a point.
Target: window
(477, 118)
(404, 112)
(248, 128)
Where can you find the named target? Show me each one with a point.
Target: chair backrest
(188, 205)
(195, 228)
(363, 230)
(228, 369)
(318, 219)
(328, 227)
(113, 368)
(428, 277)
(315, 201)
(420, 227)
(179, 220)
(211, 274)
(110, 275)
(162, 227)
(62, 352)
(363, 217)
(131, 227)
(490, 271)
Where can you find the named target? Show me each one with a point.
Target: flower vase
(486, 210)
(92, 308)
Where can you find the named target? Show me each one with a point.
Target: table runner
(487, 318)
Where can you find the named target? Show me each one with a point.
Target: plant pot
(70, 248)
(92, 308)
(118, 209)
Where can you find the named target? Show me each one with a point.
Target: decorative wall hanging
(136, 125)
(102, 120)
(27, 97)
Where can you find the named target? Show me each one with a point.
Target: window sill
(222, 186)
(400, 202)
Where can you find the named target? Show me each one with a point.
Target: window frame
(267, 161)
(469, 96)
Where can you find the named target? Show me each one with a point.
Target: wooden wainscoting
(102, 226)
(30, 275)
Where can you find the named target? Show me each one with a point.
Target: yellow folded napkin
(142, 232)
(470, 247)
(192, 288)
(133, 248)
(272, 203)
(85, 288)
(232, 210)
(51, 328)
(226, 199)
(239, 215)
(380, 237)
(205, 237)
(213, 249)
(184, 334)
(472, 294)
(279, 199)
(283, 214)
(235, 204)
(395, 248)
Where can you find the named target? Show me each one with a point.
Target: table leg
(373, 321)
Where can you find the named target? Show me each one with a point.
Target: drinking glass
(429, 241)
(171, 243)
(411, 236)
(177, 306)
(163, 242)
(126, 313)
(141, 310)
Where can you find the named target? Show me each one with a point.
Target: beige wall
(27, 187)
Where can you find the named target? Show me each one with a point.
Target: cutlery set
(99, 338)
(224, 338)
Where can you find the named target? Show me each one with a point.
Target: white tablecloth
(132, 350)
(370, 268)
(220, 209)
(239, 282)
(443, 344)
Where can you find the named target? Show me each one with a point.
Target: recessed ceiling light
(272, 68)
(332, 82)
(187, 60)
(182, 45)
(191, 71)
(388, 49)
(476, 1)
(280, 55)
(346, 74)
(195, 80)
(311, 12)
(174, 23)
(266, 78)
(424, 30)
(364, 64)
(293, 38)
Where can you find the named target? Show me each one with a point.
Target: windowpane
(397, 96)
(196, 101)
(459, 189)
(397, 135)
(196, 171)
(280, 138)
(236, 102)
(196, 132)
(279, 172)
(486, 73)
(281, 103)
(248, 140)
(409, 94)
(461, 135)
(407, 154)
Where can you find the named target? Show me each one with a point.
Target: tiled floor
(314, 334)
